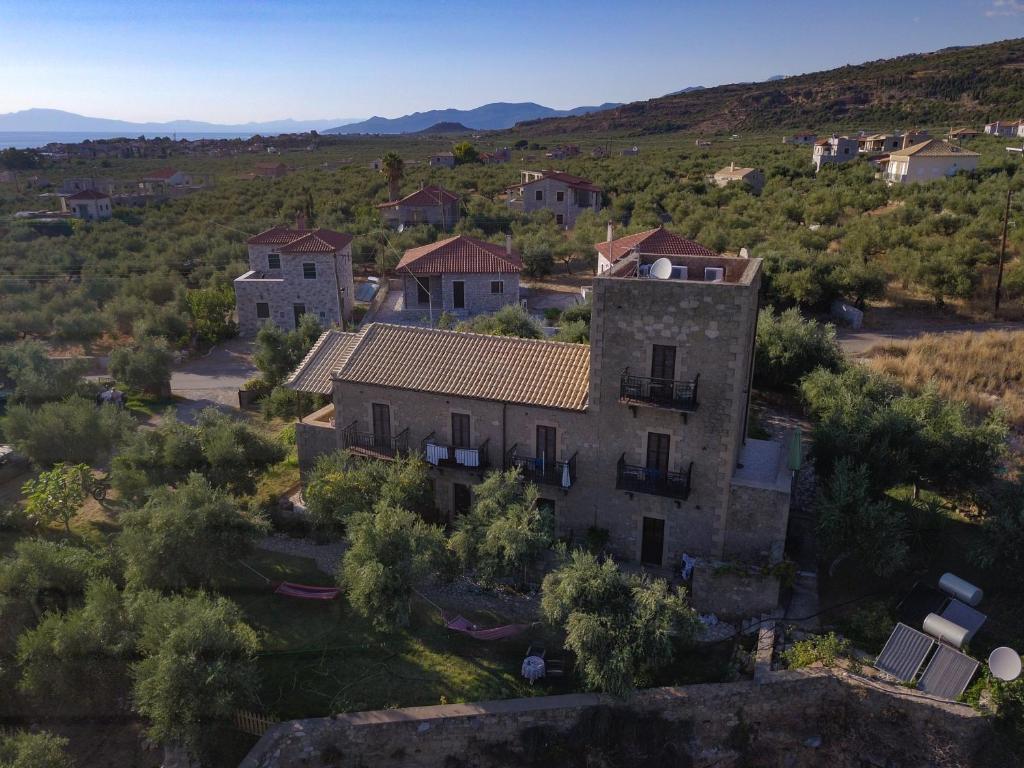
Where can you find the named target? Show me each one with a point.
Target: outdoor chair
(536, 649)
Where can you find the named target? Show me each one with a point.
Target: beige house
(752, 177)
(834, 150)
(293, 272)
(461, 275)
(88, 204)
(641, 432)
(429, 205)
(927, 161)
(442, 160)
(565, 195)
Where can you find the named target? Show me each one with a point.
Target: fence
(252, 723)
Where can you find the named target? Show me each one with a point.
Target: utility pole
(1002, 252)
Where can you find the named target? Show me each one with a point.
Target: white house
(928, 160)
(88, 204)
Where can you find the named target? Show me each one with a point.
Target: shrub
(76, 431)
(146, 365)
(789, 347)
(510, 320)
(34, 750)
(824, 649)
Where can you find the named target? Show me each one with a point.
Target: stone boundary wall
(797, 718)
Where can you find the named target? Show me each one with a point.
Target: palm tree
(393, 167)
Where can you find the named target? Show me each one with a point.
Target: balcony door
(298, 310)
(547, 445)
(460, 430)
(657, 455)
(652, 544)
(663, 371)
(459, 291)
(381, 423)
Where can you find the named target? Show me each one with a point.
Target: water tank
(963, 591)
(945, 630)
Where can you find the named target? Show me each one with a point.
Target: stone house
(650, 243)
(293, 272)
(461, 275)
(1006, 129)
(88, 204)
(442, 160)
(751, 177)
(889, 142)
(800, 138)
(565, 195)
(833, 150)
(641, 432)
(429, 205)
(929, 160)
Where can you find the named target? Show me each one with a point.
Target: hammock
(306, 592)
(466, 627)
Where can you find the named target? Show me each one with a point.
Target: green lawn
(321, 658)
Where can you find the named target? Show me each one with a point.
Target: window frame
(262, 304)
(500, 285)
(272, 259)
(306, 265)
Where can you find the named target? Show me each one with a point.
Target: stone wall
(796, 719)
(314, 437)
(732, 591)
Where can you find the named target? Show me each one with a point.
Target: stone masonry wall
(796, 719)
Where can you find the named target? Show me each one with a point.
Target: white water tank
(962, 590)
(945, 630)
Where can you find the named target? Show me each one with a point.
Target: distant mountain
(967, 85)
(57, 120)
(489, 117)
(446, 128)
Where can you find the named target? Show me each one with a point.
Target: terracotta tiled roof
(658, 241)
(934, 148)
(328, 354)
(548, 374)
(302, 240)
(459, 254)
(425, 196)
(163, 173)
(88, 194)
(576, 182)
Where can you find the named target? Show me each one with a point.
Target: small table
(533, 668)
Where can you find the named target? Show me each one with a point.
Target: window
(497, 286)
(560, 196)
(559, 219)
(309, 271)
(381, 415)
(462, 498)
(663, 362)
(538, 195)
(273, 261)
(262, 310)
(422, 294)
(460, 430)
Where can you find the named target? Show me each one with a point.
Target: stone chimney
(611, 232)
(300, 220)
(732, 166)
(508, 244)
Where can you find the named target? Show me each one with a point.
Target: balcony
(539, 470)
(636, 479)
(663, 393)
(439, 454)
(373, 445)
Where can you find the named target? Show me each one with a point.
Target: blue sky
(231, 61)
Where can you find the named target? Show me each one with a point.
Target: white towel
(467, 457)
(436, 453)
(566, 478)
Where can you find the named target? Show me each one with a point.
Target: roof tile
(459, 254)
(658, 242)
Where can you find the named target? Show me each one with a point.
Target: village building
(292, 272)
(640, 434)
(1004, 128)
(889, 142)
(430, 205)
(460, 275)
(165, 178)
(442, 160)
(928, 160)
(88, 204)
(833, 150)
(800, 138)
(963, 133)
(652, 242)
(751, 177)
(565, 195)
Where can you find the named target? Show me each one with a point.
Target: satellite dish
(744, 253)
(662, 269)
(1004, 663)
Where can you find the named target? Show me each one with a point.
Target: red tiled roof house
(293, 272)
(652, 242)
(430, 205)
(462, 275)
(563, 194)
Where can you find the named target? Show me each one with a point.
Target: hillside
(446, 128)
(59, 120)
(496, 116)
(955, 85)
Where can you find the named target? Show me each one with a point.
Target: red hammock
(306, 592)
(466, 627)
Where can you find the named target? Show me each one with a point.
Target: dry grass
(985, 370)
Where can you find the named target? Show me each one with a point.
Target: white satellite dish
(662, 269)
(744, 253)
(1004, 663)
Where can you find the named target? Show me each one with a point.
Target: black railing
(442, 455)
(541, 470)
(371, 443)
(676, 485)
(667, 393)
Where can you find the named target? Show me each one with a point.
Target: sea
(34, 139)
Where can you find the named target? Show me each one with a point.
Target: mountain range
(967, 85)
(489, 117)
(57, 120)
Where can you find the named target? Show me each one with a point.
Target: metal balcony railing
(371, 444)
(637, 479)
(541, 470)
(442, 455)
(666, 393)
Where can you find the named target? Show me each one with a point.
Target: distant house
(71, 185)
(562, 152)
(270, 170)
(166, 177)
(887, 142)
(376, 165)
(461, 274)
(703, 143)
(497, 157)
(1006, 129)
(963, 133)
(928, 160)
(563, 194)
(800, 138)
(442, 160)
(653, 243)
(292, 272)
(88, 204)
(430, 205)
(834, 149)
(752, 177)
